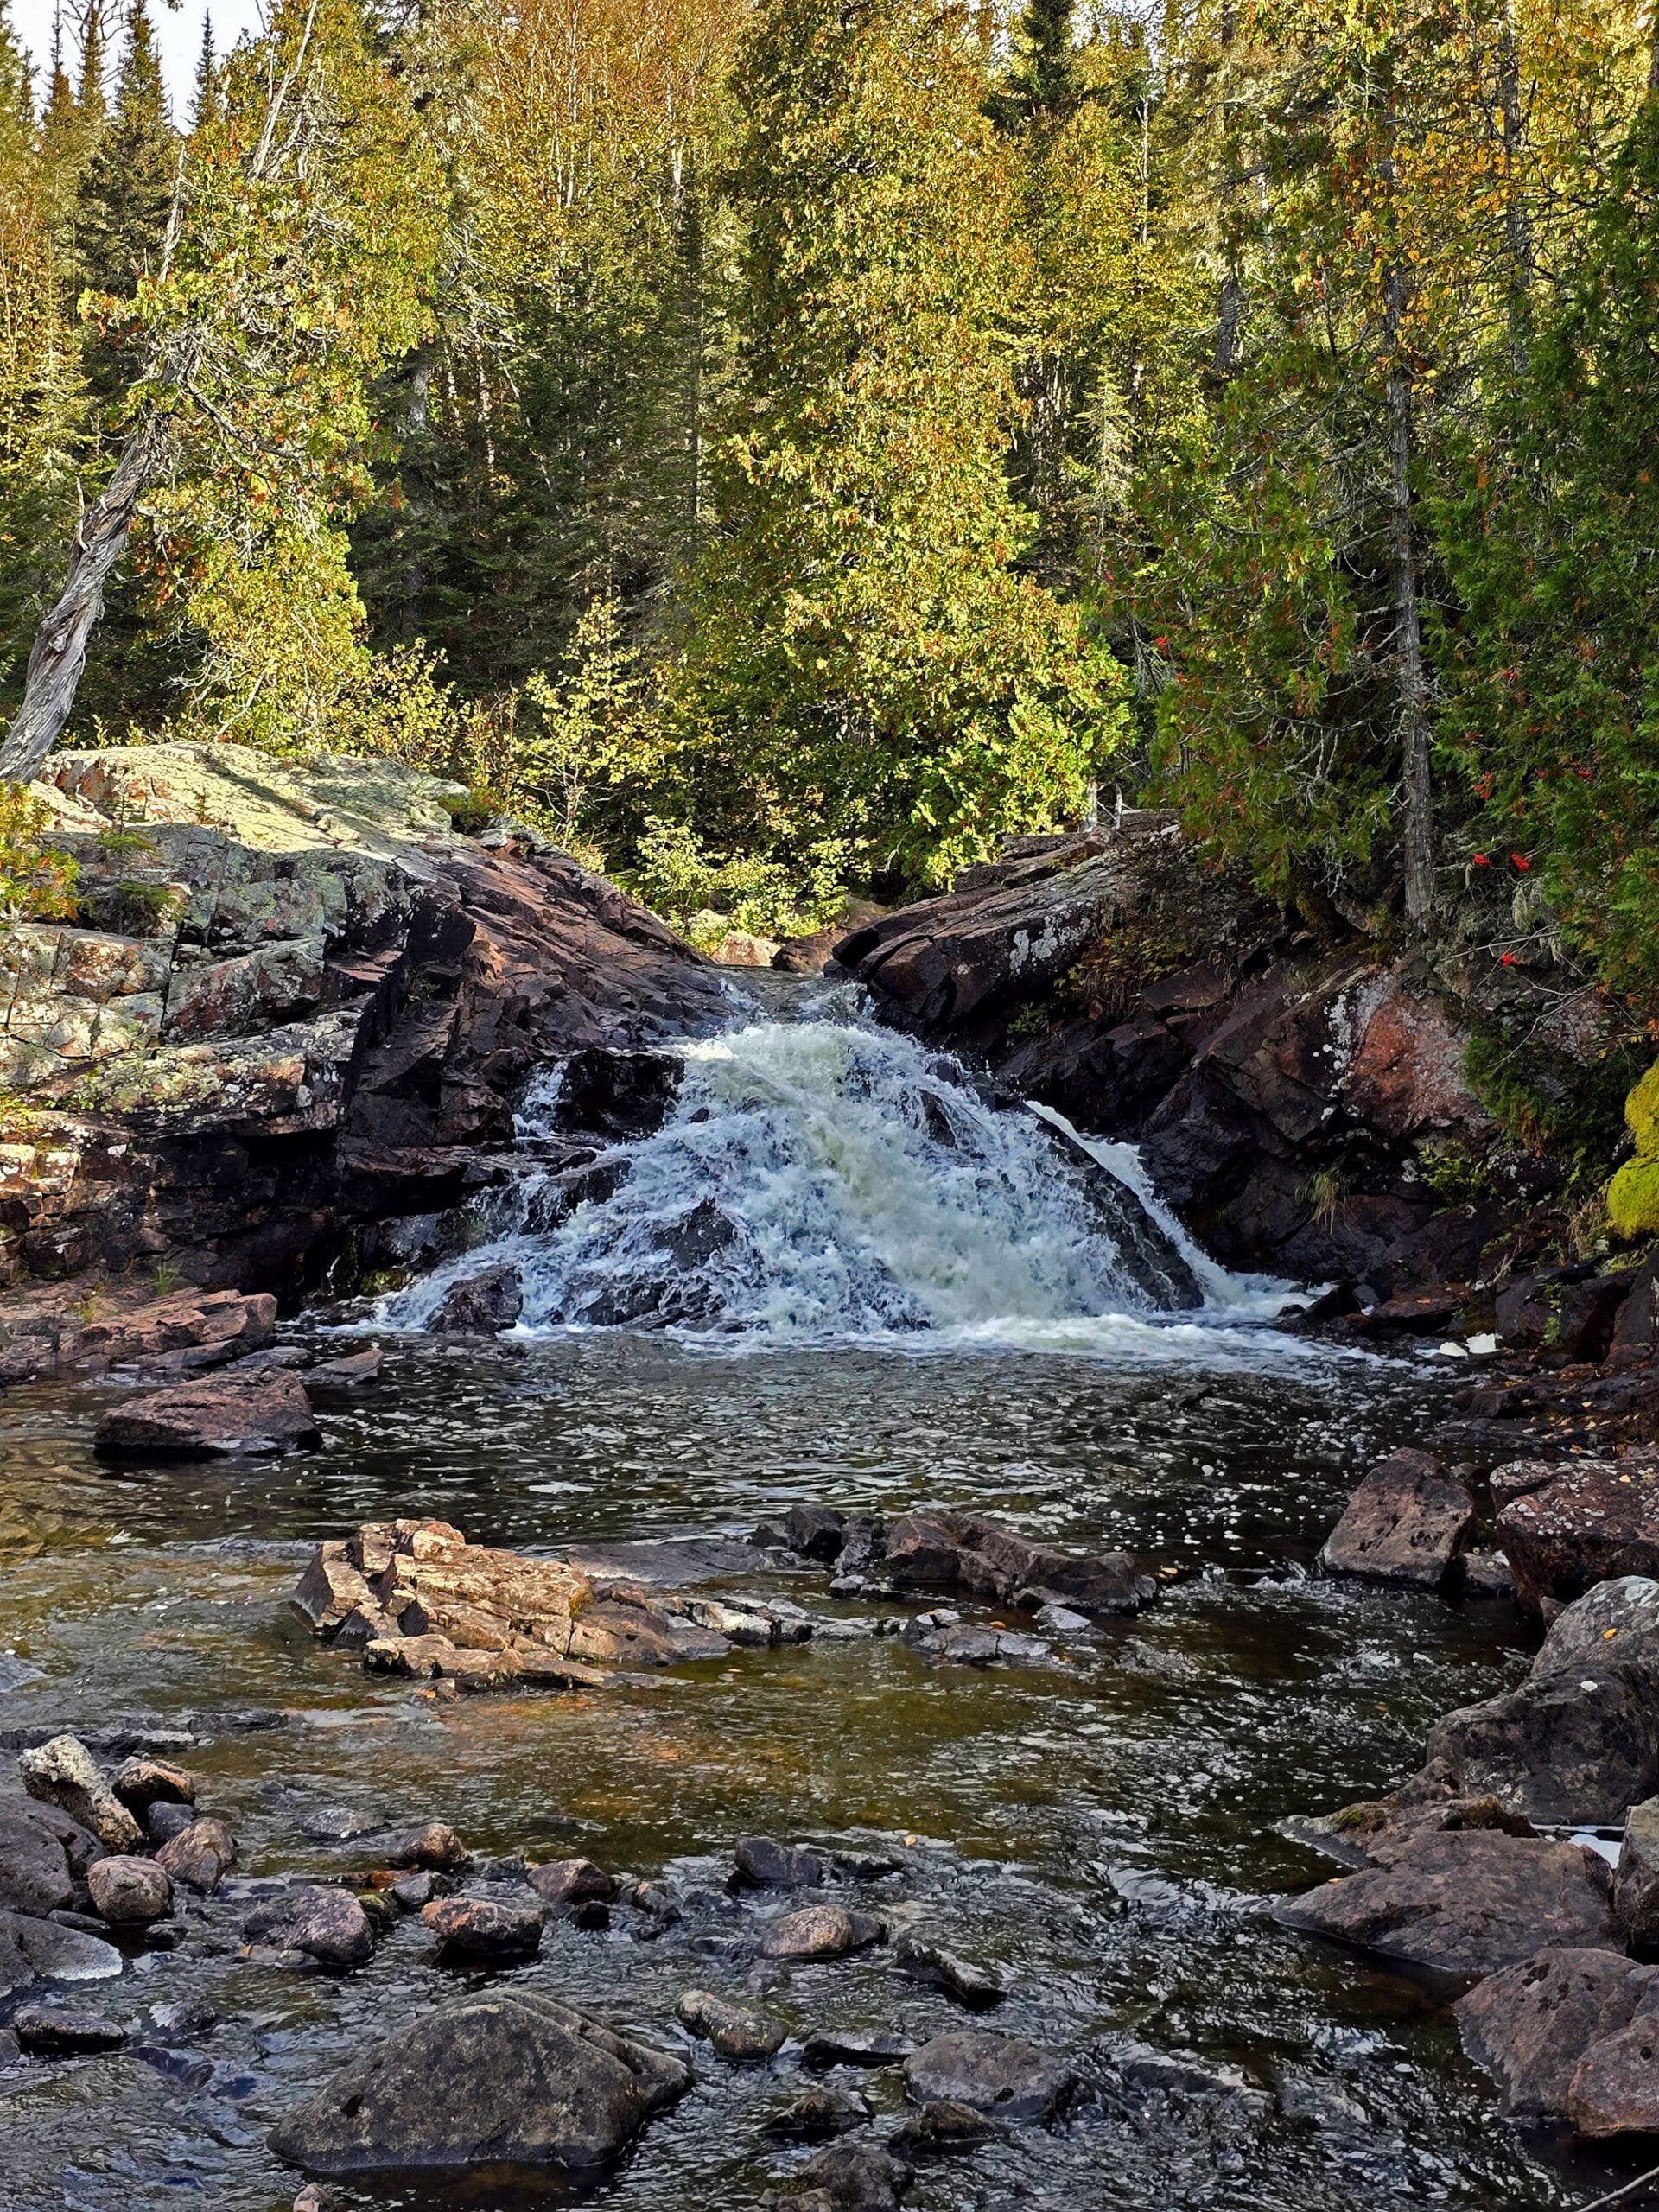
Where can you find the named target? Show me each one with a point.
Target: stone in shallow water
(130, 1892)
(437, 1848)
(816, 2112)
(64, 1773)
(1405, 1523)
(234, 1415)
(873, 2047)
(740, 2032)
(821, 1931)
(324, 1923)
(977, 1987)
(1533, 2026)
(513, 2078)
(39, 1950)
(44, 2029)
(990, 2074)
(781, 1865)
(856, 2178)
(940, 2126)
(199, 1856)
(140, 1783)
(480, 1928)
(34, 1873)
(563, 1884)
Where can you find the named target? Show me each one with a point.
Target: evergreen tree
(1045, 86)
(126, 187)
(205, 99)
(91, 97)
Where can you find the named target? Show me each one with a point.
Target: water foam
(824, 1179)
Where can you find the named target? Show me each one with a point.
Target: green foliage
(1541, 1097)
(1641, 1111)
(125, 189)
(707, 895)
(37, 880)
(1457, 1176)
(1633, 1199)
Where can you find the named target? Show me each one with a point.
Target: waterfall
(823, 1179)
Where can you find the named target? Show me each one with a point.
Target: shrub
(38, 882)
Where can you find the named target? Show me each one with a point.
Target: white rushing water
(824, 1179)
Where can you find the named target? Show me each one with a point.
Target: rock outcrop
(1570, 2036)
(283, 1038)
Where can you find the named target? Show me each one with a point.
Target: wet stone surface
(1098, 1841)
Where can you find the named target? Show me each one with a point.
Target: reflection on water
(1102, 1828)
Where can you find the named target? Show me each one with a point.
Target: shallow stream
(1105, 1829)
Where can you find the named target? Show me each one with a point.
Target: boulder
(229, 1416)
(781, 1865)
(482, 1927)
(854, 2178)
(938, 1547)
(977, 1987)
(481, 1305)
(164, 1821)
(939, 2127)
(821, 1931)
(130, 1892)
(1469, 1902)
(1531, 2026)
(435, 1847)
(993, 2074)
(64, 1773)
(819, 2111)
(331, 1589)
(514, 2078)
(1406, 1523)
(319, 1922)
(140, 1783)
(1593, 1520)
(53, 2033)
(34, 1874)
(740, 2032)
(617, 1094)
(1635, 1878)
(39, 1950)
(199, 1856)
(564, 1884)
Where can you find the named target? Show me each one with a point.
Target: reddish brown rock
(479, 1927)
(231, 1415)
(938, 1547)
(1406, 1522)
(1593, 1520)
(199, 1856)
(435, 1847)
(1531, 2026)
(318, 1921)
(562, 1883)
(141, 1781)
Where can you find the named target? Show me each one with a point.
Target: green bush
(38, 882)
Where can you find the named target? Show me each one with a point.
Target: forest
(781, 452)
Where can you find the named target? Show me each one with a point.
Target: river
(905, 1303)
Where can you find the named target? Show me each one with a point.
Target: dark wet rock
(816, 1532)
(141, 1781)
(1589, 1521)
(1061, 1621)
(1376, 1834)
(88, 1924)
(1469, 1902)
(960, 1643)
(977, 1987)
(178, 2067)
(740, 2032)
(781, 1865)
(230, 1416)
(435, 1848)
(856, 2178)
(1635, 1878)
(199, 1856)
(989, 2073)
(939, 2128)
(1184, 2074)
(871, 2047)
(130, 1892)
(181, 2019)
(511, 2078)
(480, 1305)
(819, 2111)
(412, 1892)
(1533, 2025)
(165, 1819)
(563, 1885)
(350, 1368)
(617, 1094)
(937, 1547)
(1482, 1575)
(320, 1923)
(39, 1950)
(821, 1931)
(482, 1927)
(64, 1773)
(1405, 1523)
(34, 1874)
(61, 2034)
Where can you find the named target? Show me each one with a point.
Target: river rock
(938, 1547)
(514, 2078)
(39, 1950)
(140, 1783)
(990, 2074)
(1471, 1902)
(130, 1892)
(1592, 1519)
(1531, 2026)
(320, 1922)
(331, 1589)
(854, 2178)
(229, 1416)
(199, 1856)
(64, 1773)
(481, 1305)
(164, 1821)
(435, 1848)
(872, 2047)
(924, 1959)
(351, 1368)
(483, 1928)
(565, 1884)
(1405, 1523)
(940, 2128)
(34, 1873)
(781, 1865)
(1635, 1878)
(821, 1931)
(61, 2034)
(740, 2032)
(824, 2109)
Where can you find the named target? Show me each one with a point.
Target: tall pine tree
(127, 186)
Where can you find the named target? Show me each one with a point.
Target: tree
(126, 187)
(863, 669)
(204, 98)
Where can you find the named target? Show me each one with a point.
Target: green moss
(1642, 1112)
(1543, 1099)
(1633, 1198)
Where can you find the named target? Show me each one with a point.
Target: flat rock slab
(938, 1547)
(1533, 2025)
(1591, 1520)
(513, 2078)
(1406, 1523)
(230, 1416)
(39, 1950)
(993, 2074)
(1467, 1902)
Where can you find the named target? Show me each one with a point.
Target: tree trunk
(59, 655)
(1416, 835)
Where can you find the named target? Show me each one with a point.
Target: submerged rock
(261, 1413)
(1406, 1522)
(978, 1988)
(513, 2078)
(854, 2178)
(990, 2074)
(940, 2128)
(826, 2110)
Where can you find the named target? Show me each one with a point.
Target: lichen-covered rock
(740, 2032)
(1406, 1523)
(63, 1772)
(1532, 2025)
(1591, 1521)
(513, 2078)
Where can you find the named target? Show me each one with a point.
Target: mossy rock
(1633, 1198)
(1642, 1112)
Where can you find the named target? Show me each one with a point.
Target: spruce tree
(204, 99)
(127, 186)
(1045, 87)
(89, 96)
